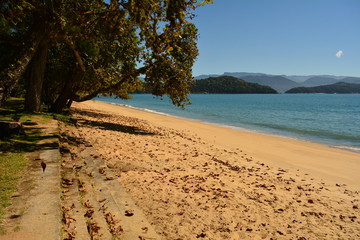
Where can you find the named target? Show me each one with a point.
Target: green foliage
(340, 87)
(12, 165)
(228, 84)
(100, 48)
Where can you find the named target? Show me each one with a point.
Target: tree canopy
(67, 50)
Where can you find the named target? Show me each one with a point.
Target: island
(340, 87)
(228, 84)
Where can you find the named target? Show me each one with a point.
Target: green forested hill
(340, 87)
(227, 84)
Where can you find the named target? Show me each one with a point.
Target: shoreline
(195, 180)
(345, 172)
(349, 148)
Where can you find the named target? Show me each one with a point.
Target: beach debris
(109, 218)
(112, 224)
(68, 208)
(75, 166)
(89, 213)
(102, 170)
(102, 200)
(67, 181)
(93, 228)
(116, 230)
(129, 213)
(238, 226)
(82, 187)
(109, 178)
(65, 190)
(71, 235)
(67, 219)
(87, 204)
(201, 235)
(352, 218)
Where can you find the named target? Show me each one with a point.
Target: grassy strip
(13, 160)
(14, 149)
(12, 166)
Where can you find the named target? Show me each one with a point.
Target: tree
(100, 48)
(18, 46)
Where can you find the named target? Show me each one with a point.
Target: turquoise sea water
(331, 119)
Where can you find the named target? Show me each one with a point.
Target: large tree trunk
(65, 96)
(69, 90)
(10, 77)
(36, 75)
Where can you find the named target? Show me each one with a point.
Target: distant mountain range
(282, 83)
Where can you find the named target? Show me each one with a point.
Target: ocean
(330, 119)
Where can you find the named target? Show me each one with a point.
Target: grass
(12, 166)
(14, 149)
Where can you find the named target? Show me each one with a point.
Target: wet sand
(195, 180)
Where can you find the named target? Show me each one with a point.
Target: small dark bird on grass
(43, 165)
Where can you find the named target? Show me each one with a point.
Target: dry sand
(195, 180)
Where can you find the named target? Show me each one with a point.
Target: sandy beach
(195, 180)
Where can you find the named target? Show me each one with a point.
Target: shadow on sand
(110, 126)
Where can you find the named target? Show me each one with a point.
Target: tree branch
(76, 53)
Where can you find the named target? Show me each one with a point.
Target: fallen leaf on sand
(67, 218)
(87, 204)
(71, 235)
(67, 181)
(89, 213)
(77, 166)
(93, 228)
(66, 208)
(201, 235)
(129, 213)
(102, 170)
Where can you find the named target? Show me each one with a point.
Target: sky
(292, 37)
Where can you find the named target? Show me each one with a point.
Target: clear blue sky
(293, 37)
